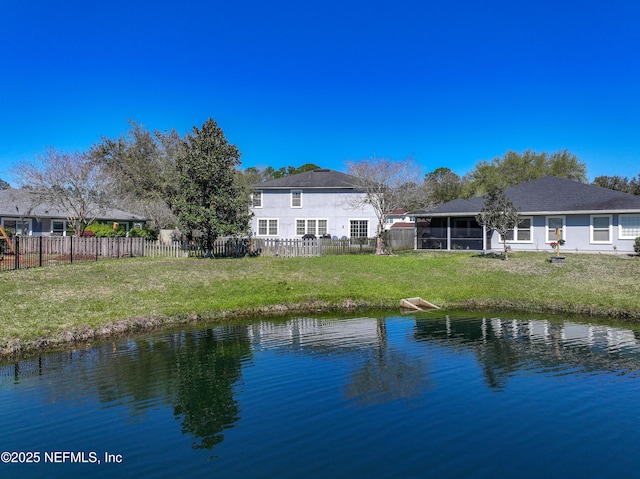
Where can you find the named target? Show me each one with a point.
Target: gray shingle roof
(321, 178)
(25, 203)
(549, 194)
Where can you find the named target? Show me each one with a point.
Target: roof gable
(320, 178)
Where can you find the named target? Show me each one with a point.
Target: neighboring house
(399, 216)
(23, 212)
(589, 219)
(320, 202)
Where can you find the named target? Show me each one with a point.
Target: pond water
(429, 395)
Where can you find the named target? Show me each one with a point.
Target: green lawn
(54, 305)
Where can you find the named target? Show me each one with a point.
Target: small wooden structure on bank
(416, 304)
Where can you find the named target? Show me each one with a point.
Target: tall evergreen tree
(209, 199)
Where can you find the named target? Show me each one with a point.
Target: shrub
(105, 230)
(636, 245)
(143, 233)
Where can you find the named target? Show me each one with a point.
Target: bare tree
(383, 184)
(70, 181)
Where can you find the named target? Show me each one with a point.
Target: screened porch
(450, 233)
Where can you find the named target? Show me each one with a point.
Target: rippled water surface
(412, 396)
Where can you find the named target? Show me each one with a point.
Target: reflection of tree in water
(504, 348)
(207, 368)
(195, 372)
(498, 360)
(386, 375)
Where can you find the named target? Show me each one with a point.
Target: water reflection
(504, 347)
(381, 373)
(198, 373)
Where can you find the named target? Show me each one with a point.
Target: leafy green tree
(142, 167)
(619, 183)
(209, 198)
(444, 185)
(514, 168)
(270, 173)
(499, 214)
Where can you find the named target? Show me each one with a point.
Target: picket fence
(285, 248)
(37, 251)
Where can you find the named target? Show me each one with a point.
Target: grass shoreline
(63, 306)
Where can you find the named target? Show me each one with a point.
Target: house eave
(534, 213)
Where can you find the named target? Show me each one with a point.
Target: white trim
(592, 229)
(268, 226)
(563, 234)
(253, 198)
(64, 226)
(316, 229)
(620, 232)
(291, 199)
(368, 227)
(20, 220)
(515, 239)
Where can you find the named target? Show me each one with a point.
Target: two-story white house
(321, 202)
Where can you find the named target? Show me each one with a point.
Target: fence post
(40, 252)
(71, 249)
(17, 252)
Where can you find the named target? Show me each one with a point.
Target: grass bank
(51, 306)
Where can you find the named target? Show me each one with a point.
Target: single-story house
(589, 219)
(399, 217)
(24, 212)
(320, 202)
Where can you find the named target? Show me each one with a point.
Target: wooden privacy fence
(37, 251)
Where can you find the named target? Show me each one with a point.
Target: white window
(256, 199)
(359, 228)
(17, 227)
(323, 227)
(267, 227)
(301, 227)
(601, 229)
(629, 227)
(555, 224)
(58, 228)
(521, 233)
(315, 227)
(296, 199)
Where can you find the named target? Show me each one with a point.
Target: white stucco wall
(335, 206)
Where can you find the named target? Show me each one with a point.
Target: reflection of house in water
(504, 346)
(319, 335)
(378, 374)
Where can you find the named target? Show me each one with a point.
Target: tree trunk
(379, 249)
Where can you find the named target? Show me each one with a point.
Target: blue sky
(447, 82)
